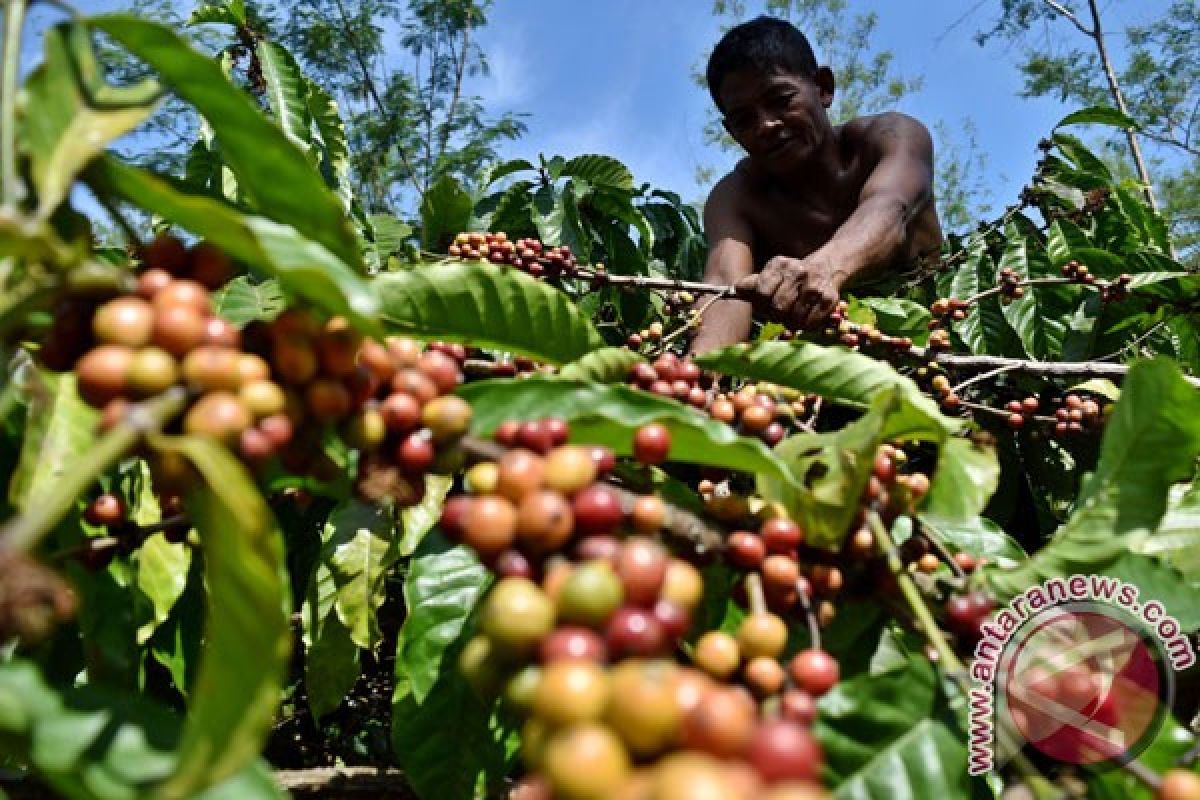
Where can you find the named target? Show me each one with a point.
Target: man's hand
(800, 293)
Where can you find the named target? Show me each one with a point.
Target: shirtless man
(814, 208)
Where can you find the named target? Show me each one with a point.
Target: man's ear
(826, 84)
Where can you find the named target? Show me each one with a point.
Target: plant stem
(14, 19)
(953, 666)
(23, 532)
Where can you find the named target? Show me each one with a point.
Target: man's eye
(781, 100)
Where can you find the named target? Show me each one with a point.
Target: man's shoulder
(734, 186)
(882, 128)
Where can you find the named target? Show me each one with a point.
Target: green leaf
(1150, 443)
(359, 550)
(331, 664)
(985, 330)
(417, 521)
(301, 265)
(600, 170)
(390, 236)
(162, 566)
(1177, 539)
(606, 365)
(1033, 316)
(979, 537)
(503, 169)
(487, 306)
(1098, 115)
(609, 415)
(247, 643)
(557, 218)
(445, 212)
(443, 585)
(897, 316)
(1169, 745)
(1064, 240)
(286, 93)
(335, 153)
(242, 300)
(1162, 582)
(831, 472)
(839, 375)
(232, 12)
(445, 744)
(1083, 158)
(273, 174)
(884, 738)
(66, 125)
(58, 427)
(966, 478)
(91, 742)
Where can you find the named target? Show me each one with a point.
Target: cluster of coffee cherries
(763, 410)
(528, 255)
(857, 335)
(580, 632)
(672, 376)
(1110, 291)
(1079, 414)
(1010, 285)
(269, 390)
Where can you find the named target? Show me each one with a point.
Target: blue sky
(615, 77)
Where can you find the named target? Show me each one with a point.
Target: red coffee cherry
(597, 510)
(781, 535)
(651, 443)
(103, 374)
(106, 510)
(785, 751)
(814, 671)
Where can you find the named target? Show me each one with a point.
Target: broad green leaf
(445, 744)
(331, 664)
(1083, 158)
(162, 566)
(1097, 115)
(966, 478)
(1033, 316)
(1162, 582)
(618, 205)
(335, 153)
(839, 375)
(897, 316)
(231, 12)
(1064, 240)
(417, 521)
(390, 236)
(301, 265)
(985, 330)
(486, 306)
(91, 742)
(609, 415)
(1177, 539)
(557, 218)
(359, 550)
(1150, 443)
(831, 472)
(979, 537)
(65, 125)
(286, 92)
(606, 365)
(244, 300)
(600, 170)
(1150, 226)
(503, 169)
(884, 737)
(275, 176)
(247, 643)
(58, 427)
(445, 212)
(443, 585)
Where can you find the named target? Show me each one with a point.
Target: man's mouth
(780, 146)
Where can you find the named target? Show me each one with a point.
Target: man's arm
(730, 258)
(805, 291)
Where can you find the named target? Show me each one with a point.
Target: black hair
(764, 44)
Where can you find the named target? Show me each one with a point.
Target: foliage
(169, 667)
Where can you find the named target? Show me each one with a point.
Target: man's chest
(789, 227)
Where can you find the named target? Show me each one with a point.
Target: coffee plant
(293, 485)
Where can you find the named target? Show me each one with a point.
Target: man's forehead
(747, 86)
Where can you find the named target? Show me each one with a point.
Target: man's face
(778, 118)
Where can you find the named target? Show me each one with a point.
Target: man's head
(765, 80)
(762, 45)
